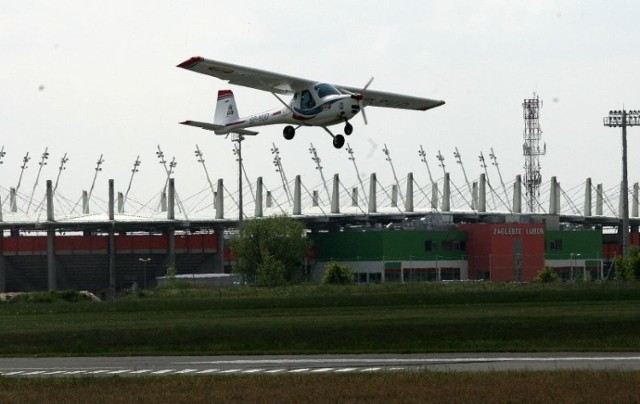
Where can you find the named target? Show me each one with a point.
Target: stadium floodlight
(623, 118)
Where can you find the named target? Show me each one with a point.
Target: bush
(52, 296)
(546, 275)
(335, 273)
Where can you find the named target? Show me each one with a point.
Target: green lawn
(313, 319)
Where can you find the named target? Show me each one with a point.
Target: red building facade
(505, 252)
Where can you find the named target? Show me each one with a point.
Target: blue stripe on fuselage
(312, 112)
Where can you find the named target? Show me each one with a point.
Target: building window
(555, 245)
(429, 245)
(454, 245)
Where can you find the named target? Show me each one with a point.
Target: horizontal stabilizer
(219, 129)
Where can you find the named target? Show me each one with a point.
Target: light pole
(144, 266)
(623, 119)
(239, 138)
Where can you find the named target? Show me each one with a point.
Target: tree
(270, 251)
(629, 268)
(335, 273)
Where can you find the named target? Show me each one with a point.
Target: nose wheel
(348, 129)
(338, 140)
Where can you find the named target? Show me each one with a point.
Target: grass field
(454, 317)
(405, 387)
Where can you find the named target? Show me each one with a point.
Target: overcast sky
(93, 77)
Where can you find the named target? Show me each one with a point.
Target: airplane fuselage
(307, 108)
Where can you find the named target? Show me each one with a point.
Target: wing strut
(266, 88)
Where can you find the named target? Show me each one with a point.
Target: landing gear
(288, 132)
(338, 140)
(348, 129)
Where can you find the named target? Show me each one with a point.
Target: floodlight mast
(25, 161)
(134, 170)
(42, 163)
(61, 168)
(95, 175)
(316, 159)
(623, 118)
(458, 157)
(494, 163)
(393, 170)
(353, 159)
(483, 164)
(200, 157)
(277, 161)
(440, 158)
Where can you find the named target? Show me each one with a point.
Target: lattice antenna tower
(532, 151)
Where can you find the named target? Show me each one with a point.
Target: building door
(518, 260)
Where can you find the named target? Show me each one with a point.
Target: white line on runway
(141, 371)
(322, 370)
(182, 372)
(298, 370)
(345, 370)
(206, 371)
(230, 371)
(252, 371)
(34, 373)
(163, 371)
(414, 360)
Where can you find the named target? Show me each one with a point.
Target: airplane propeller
(360, 96)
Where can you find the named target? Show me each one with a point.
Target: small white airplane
(313, 103)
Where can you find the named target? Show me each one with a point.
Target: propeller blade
(364, 115)
(367, 85)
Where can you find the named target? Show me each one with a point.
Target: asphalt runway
(273, 364)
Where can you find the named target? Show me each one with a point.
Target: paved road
(202, 365)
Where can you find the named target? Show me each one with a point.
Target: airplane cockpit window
(307, 100)
(324, 90)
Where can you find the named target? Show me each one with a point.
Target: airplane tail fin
(226, 114)
(226, 110)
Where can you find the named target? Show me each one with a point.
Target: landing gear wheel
(338, 141)
(288, 132)
(348, 129)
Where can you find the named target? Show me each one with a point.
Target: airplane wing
(247, 76)
(391, 100)
(219, 129)
(283, 84)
